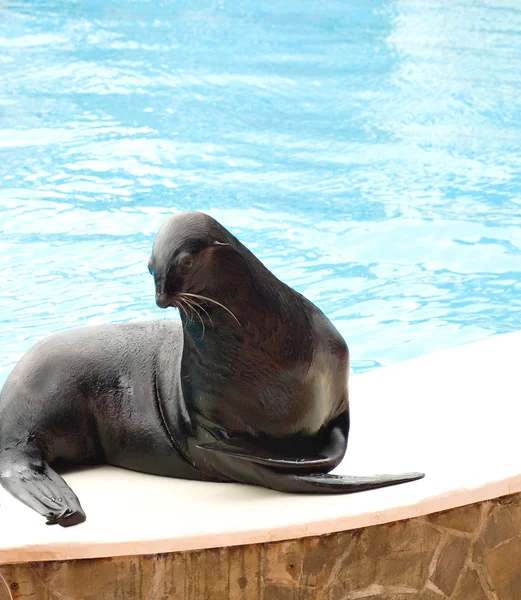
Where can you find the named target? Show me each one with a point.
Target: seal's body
(252, 387)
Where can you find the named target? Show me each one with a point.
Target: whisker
(182, 310)
(192, 307)
(194, 303)
(185, 303)
(214, 301)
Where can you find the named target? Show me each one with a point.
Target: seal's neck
(251, 317)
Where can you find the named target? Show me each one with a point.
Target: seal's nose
(162, 300)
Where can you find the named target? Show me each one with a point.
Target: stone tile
(338, 590)
(384, 562)
(503, 564)
(277, 591)
(450, 563)
(422, 595)
(306, 564)
(360, 568)
(319, 553)
(396, 554)
(303, 561)
(503, 523)
(280, 591)
(510, 499)
(402, 553)
(469, 587)
(428, 595)
(211, 582)
(465, 518)
(244, 572)
(4, 592)
(282, 562)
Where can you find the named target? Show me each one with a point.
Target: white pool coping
(454, 415)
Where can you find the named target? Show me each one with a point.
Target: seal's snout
(162, 300)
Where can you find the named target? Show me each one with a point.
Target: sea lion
(250, 387)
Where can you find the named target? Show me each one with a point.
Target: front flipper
(324, 461)
(316, 483)
(237, 448)
(305, 475)
(272, 472)
(32, 481)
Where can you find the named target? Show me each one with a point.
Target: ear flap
(215, 250)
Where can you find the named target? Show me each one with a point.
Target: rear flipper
(259, 466)
(325, 483)
(32, 481)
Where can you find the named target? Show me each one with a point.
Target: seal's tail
(27, 477)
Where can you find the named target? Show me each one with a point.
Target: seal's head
(193, 255)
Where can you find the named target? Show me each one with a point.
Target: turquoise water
(369, 152)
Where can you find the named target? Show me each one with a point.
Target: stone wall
(468, 553)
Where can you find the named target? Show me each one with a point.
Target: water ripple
(367, 152)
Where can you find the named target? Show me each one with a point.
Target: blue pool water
(369, 152)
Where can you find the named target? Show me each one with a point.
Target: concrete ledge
(454, 415)
(468, 553)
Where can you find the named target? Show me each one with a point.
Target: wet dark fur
(256, 393)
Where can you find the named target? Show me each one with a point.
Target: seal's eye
(184, 263)
(150, 269)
